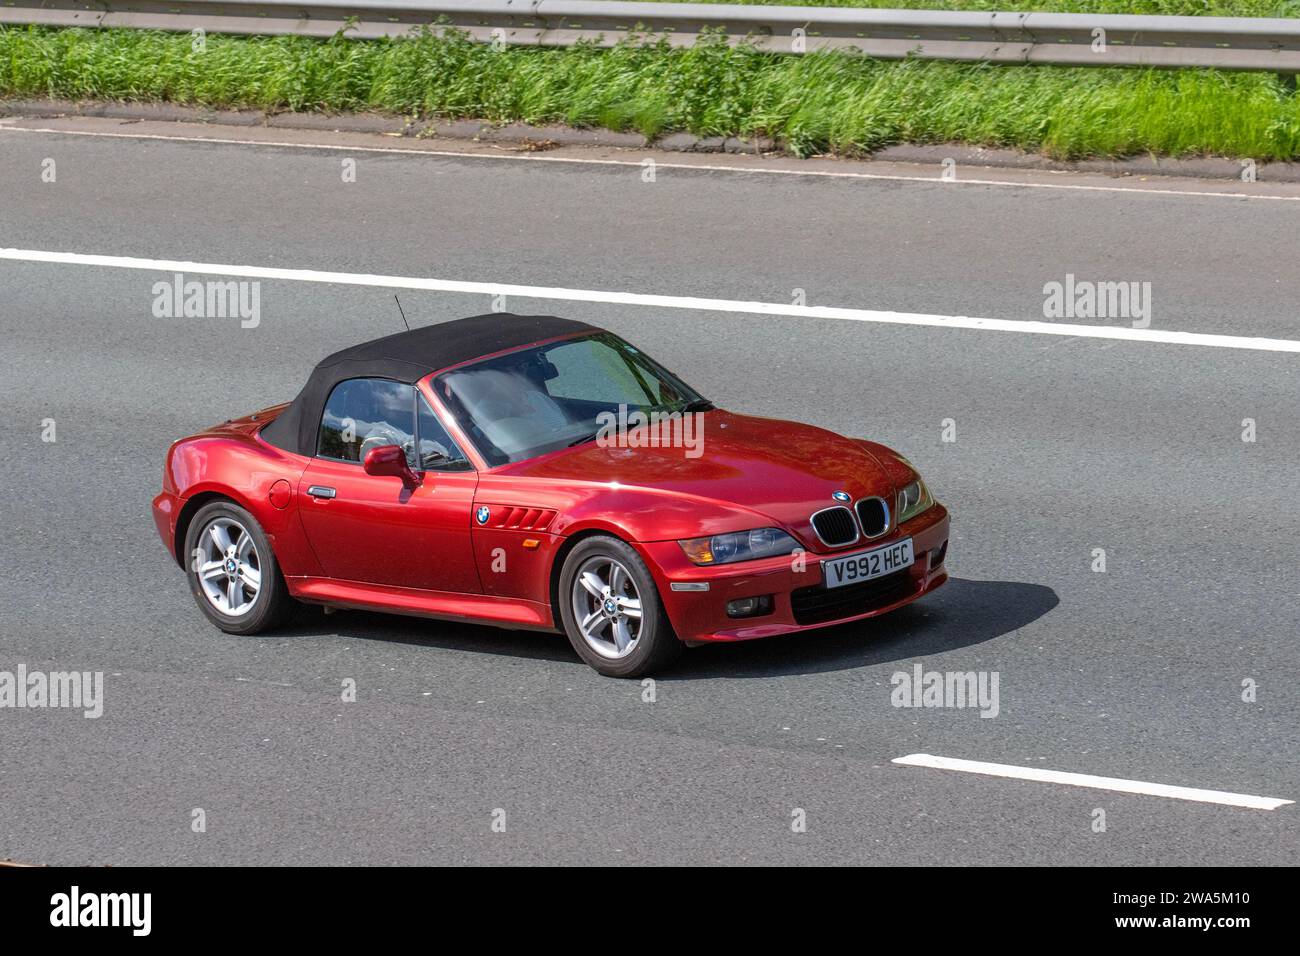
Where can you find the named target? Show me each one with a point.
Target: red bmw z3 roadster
(535, 472)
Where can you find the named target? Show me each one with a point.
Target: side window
(437, 451)
(366, 413)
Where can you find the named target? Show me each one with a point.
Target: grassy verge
(1170, 8)
(815, 103)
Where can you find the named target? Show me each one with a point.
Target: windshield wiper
(695, 405)
(698, 405)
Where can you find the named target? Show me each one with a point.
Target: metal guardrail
(1233, 43)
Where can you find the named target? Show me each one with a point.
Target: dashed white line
(659, 164)
(1116, 784)
(1121, 333)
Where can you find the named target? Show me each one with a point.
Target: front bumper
(800, 600)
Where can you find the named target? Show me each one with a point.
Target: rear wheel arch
(189, 510)
(240, 587)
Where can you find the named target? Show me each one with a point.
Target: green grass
(1184, 8)
(816, 103)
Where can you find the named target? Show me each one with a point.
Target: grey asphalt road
(1062, 446)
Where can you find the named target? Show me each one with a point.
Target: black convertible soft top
(408, 357)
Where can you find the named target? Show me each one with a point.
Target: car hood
(779, 471)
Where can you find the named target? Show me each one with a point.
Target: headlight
(912, 500)
(738, 546)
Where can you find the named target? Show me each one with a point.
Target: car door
(379, 529)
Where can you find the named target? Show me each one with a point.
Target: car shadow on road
(960, 614)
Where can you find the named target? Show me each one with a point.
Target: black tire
(656, 645)
(272, 604)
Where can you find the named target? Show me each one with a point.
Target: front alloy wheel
(611, 610)
(607, 607)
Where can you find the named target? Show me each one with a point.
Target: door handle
(320, 491)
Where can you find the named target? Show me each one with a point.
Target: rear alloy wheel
(229, 568)
(233, 573)
(611, 610)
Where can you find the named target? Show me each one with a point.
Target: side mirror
(390, 460)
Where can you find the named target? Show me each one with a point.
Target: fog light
(750, 606)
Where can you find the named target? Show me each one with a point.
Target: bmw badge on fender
(458, 471)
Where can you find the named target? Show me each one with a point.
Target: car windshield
(532, 401)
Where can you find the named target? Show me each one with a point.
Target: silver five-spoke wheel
(228, 567)
(607, 607)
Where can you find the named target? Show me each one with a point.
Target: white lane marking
(1117, 784)
(1122, 333)
(534, 158)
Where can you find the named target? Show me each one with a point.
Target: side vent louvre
(511, 518)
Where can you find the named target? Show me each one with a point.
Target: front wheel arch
(557, 566)
(656, 643)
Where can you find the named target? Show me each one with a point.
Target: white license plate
(865, 565)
